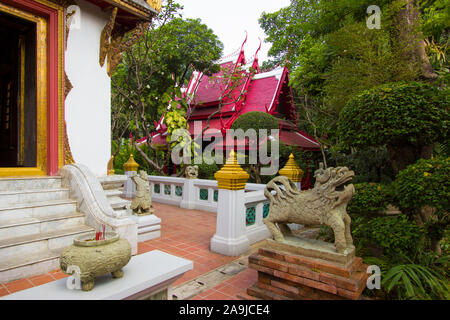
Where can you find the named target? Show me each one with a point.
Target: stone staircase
(113, 187)
(37, 221)
(149, 227)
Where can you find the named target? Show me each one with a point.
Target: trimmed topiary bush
(390, 236)
(406, 117)
(423, 191)
(369, 198)
(256, 120)
(207, 171)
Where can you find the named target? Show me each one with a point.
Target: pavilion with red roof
(267, 92)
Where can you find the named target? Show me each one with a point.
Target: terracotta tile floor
(231, 288)
(184, 233)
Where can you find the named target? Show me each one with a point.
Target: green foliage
(207, 171)
(369, 198)
(397, 113)
(426, 183)
(256, 120)
(417, 281)
(389, 235)
(124, 154)
(371, 164)
(364, 59)
(154, 69)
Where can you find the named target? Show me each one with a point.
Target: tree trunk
(411, 38)
(402, 156)
(427, 214)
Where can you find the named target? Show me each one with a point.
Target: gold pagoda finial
(231, 176)
(291, 170)
(111, 166)
(131, 165)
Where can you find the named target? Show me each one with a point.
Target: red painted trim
(51, 16)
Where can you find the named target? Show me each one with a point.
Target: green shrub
(423, 280)
(394, 113)
(369, 198)
(388, 235)
(426, 183)
(406, 117)
(124, 154)
(207, 171)
(256, 120)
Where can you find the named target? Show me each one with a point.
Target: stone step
(29, 265)
(29, 183)
(32, 196)
(112, 182)
(34, 226)
(118, 203)
(113, 193)
(30, 244)
(36, 210)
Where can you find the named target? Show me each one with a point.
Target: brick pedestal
(285, 274)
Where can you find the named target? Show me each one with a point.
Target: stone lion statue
(191, 172)
(325, 204)
(142, 202)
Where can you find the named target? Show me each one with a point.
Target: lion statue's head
(335, 183)
(191, 172)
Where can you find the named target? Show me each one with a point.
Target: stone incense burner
(93, 258)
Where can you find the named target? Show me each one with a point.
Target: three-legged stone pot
(91, 258)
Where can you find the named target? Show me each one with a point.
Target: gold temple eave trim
(140, 12)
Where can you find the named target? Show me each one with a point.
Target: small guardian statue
(191, 172)
(142, 203)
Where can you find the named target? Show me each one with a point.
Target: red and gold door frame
(49, 20)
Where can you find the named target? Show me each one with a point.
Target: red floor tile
(18, 285)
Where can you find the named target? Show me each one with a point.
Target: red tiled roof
(296, 138)
(261, 94)
(209, 90)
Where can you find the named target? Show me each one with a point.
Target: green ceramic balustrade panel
(204, 194)
(266, 210)
(179, 191)
(157, 188)
(167, 190)
(251, 216)
(216, 195)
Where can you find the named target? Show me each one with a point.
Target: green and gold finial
(131, 165)
(291, 170)
(231, 176)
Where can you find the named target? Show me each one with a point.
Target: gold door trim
(41, 101)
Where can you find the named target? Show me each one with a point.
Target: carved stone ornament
(191, 172)
(93, 258)
(325, 204)
(142, 203)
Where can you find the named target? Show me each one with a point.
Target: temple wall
(88, 105)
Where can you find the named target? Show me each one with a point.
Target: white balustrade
(256, 207)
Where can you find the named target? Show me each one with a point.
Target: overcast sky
(231, 18)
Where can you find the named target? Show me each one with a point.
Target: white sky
(230, 19)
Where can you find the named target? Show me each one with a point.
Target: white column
(129, 188)
(189, 194)
(230, 238)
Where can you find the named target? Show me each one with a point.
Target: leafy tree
(422, 191)
(406, 117)
(257, 121)
(152, 72)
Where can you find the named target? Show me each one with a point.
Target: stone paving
(184, 233)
